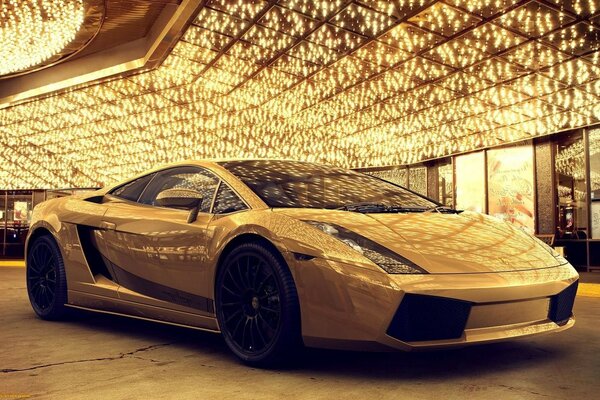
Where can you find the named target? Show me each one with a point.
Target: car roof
(212, 164)
(236, 159)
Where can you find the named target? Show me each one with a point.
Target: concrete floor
(95, 356)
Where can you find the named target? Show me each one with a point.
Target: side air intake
(92, 255)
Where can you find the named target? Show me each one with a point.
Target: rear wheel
(257, 305)
(46, 281)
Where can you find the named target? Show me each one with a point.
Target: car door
(158, 257)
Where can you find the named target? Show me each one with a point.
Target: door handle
(107, 226)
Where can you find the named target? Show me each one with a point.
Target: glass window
(193, 178)
(571, 186)
(227, 201)
(19, 209)
(510, 185)
(2, 209)
(470, 182)
(445, 184)
(594, 148)
(306, 185)
(2, 221)
(132, 190)
(417, 180)
(398, 176)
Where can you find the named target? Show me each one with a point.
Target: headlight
(386, 259)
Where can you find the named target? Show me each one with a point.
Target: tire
(257, 306)
(46, 280)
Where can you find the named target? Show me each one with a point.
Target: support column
(544, 185)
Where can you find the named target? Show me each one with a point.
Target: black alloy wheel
(46, 282)
(257, 305)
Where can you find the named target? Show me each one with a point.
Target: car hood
(443, 243)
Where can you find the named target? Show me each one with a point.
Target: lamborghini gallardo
(276, 255)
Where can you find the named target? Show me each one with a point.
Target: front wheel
(46, 281)
(257, 305)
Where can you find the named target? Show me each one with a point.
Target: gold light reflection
(33, 31)
(351, 83)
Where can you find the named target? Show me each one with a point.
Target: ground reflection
(424, 365)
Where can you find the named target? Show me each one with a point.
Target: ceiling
(125, 21)
(92, 25)
(353, 83)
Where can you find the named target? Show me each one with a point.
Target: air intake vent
(92, 255)
(561, 305)
(422, 317)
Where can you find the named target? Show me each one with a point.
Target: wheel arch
(38, 231)
(247, 237)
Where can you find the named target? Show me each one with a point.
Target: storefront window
(445, 184)
(2, 209)
(2, 221)
(510, 185)
(16, 210)
(398, 176)
(571, 187)
(417, 180)
(18, 216)
(594, 148)
(470, 182)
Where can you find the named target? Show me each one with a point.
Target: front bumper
(349, 307)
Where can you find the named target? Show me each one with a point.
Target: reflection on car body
(275, 254)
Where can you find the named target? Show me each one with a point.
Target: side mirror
(181, 198)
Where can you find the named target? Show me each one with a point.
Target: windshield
(306, 185)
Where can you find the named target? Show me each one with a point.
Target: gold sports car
(279, 254)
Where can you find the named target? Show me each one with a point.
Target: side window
(227, 201)
(132, 190)
(193, 178)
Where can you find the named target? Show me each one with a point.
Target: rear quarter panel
(60, 218)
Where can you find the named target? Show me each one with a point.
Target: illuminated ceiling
(353, 83)
(37, 33)
(115, 37)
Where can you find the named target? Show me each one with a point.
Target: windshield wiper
(379, 208)
(363, 207)
(444, 210)
(401, 209)
(382, 208)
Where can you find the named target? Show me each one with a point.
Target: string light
(327, 81)
(33, 31)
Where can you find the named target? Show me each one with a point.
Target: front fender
(225, 229)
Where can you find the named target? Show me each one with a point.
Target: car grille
(422, 317)
(561, 305)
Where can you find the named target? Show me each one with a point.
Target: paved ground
(95, 356)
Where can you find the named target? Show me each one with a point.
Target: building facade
(546, 186)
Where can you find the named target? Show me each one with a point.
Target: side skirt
(106, 305)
